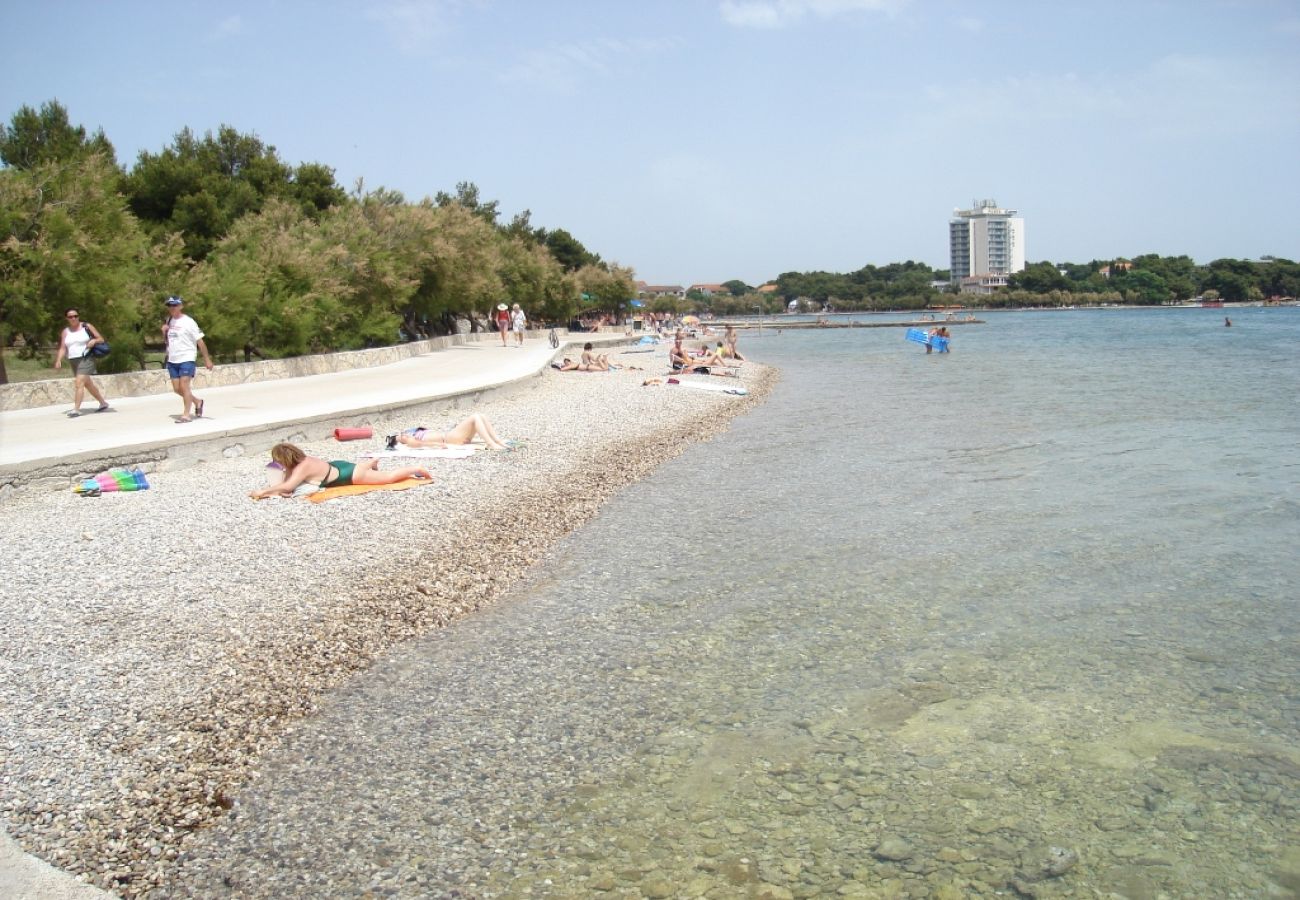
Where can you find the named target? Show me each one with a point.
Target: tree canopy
(272, 257)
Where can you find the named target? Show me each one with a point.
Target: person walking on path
(519, 322)
(184, 339)
(503, 322)
(75, 342)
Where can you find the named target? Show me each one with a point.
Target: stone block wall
(52, 392)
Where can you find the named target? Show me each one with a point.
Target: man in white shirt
(184, 339)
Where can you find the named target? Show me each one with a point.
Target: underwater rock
(1046, 861)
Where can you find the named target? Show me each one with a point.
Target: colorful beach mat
(112, 481)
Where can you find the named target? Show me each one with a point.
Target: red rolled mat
(352, 434)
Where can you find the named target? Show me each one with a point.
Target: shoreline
(140, 705)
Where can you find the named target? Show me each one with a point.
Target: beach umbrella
(690, 320)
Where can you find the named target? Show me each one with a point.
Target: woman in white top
(75, 343)
(519, 321)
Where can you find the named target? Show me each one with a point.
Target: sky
(706, 140)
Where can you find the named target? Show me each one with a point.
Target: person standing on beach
(503, 322)
(518, 322)
(75, 342)
(184, 340)
(729, 339)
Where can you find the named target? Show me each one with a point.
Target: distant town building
(986, 244)
(650, 291)
(709, 290)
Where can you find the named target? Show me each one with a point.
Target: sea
(1021, 619)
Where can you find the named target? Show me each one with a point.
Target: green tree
(200, 187)
(533, 279)
(35, 137)
(608, 288)
(568, 250)
(67, 240)
(1039, 278)
(1232, 278)
(467, 197)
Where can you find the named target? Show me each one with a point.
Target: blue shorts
(181, 370)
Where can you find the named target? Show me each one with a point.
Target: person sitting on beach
(683, 364)
(706, 356)
(598, 362)
(590, 363)
(305, 474)
(469, 428)
(723, 354)
(678, 358)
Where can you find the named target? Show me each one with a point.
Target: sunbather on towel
(474, 426)
(312, 473)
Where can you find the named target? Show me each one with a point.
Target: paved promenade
(43, 447)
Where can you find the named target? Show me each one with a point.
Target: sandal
(183, 419)
(103, 408)
(73, 414)
(198, 409)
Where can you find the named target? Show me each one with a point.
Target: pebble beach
(158, 643)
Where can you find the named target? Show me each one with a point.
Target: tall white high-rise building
(986, 244)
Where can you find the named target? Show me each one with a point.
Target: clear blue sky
(702, 141)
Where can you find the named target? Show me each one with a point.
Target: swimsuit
(344, 477)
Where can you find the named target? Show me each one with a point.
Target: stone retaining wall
(51, 392)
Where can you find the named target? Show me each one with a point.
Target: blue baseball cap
(174, 301)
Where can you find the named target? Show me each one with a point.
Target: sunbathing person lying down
(469, 428)
(591, 362)
(305, 474)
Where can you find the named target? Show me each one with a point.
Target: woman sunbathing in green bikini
(303, 473)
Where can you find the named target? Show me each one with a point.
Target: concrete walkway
(42, 447)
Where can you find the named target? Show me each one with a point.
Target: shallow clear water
(900, 631)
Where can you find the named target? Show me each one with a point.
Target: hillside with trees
(275, 259)
(1147, 280)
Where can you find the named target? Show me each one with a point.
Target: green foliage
(568, 250)
(607, 288)
(69, 241)
(201, 187)
(903, 285)
(1040, 278)
(270, 257)
(33, 138)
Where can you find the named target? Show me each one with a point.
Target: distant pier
(919, 323)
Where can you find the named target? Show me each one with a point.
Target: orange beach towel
(347, 490)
